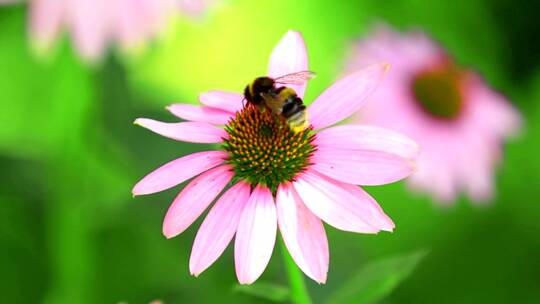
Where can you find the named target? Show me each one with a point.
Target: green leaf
(377, 279)
(265, 290)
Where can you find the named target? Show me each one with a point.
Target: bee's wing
(273, 101)
(298, 78)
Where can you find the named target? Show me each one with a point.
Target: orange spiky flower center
(263, 150)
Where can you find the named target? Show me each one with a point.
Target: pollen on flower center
(263, 150)
(438, 91)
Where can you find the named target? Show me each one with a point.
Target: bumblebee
(265, 93)
(286, 103)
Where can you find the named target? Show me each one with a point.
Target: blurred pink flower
(93, 24)
(279, 178)
(194, 8)
(458, 121)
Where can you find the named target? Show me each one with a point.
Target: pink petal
(361, 167)
(436, 172)
(194, 199)
(479, 185)
(155, 16)
(178, 171)
(289, 56)
(303, 234)
(255, 236)
(344, 206)
(46, 16)
(370, 138)
(346, 96)
(89, 25)
(194, 8)
(196, 132)
(200, 113)
(126, 25)
(226, 101)
(218, 228)
(492, 110)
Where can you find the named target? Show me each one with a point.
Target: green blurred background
(70, 231)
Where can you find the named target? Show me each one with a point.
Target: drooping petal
(303, 234)
(194, 198)
(346, 96)
(178, 171)
(370, 138)
(289, 56)
(89, 26)
(218, 228)
(441, 182)
(196, 132)
(344, 206)
(46, 17)
(256, 236)
(127, 22)
(200, 113)
(479, 184)
(226, 101)
(361, 167)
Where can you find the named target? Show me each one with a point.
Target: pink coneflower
(458, 121)
(273, 177)
(93, 24)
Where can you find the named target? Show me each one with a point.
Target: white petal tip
(247, 280)
(320, 279)
(292, 32)
(139, 122)
(194, 269)
(387, 229)
(294, 37)
(169, 235)
(137, 191)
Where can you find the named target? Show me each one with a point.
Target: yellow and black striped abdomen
(294, 110)
(298, 122)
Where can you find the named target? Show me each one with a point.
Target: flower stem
(299, 293)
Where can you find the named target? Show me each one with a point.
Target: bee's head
(253, 91)
(263, 84)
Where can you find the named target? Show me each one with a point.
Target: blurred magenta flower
(93, 24)
(278, 178)
(458, 121)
